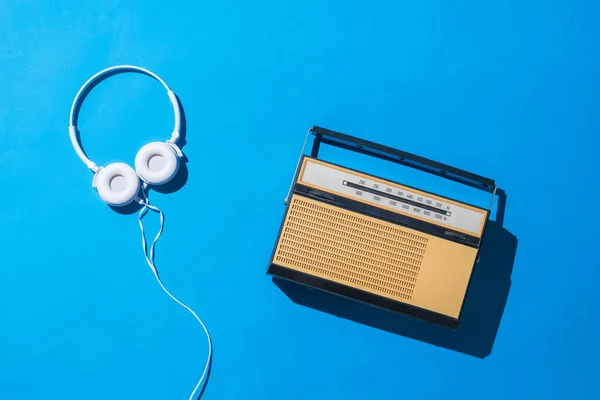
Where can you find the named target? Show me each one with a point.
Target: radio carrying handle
(366, 147)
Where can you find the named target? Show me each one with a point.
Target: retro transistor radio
(377, 241)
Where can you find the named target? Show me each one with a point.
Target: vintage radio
(377, 241)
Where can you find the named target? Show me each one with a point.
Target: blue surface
(511, 89)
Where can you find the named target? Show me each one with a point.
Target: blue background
(510, 89)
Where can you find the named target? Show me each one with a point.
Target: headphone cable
(150, 261)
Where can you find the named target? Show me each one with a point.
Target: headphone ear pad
(117, 184)
(156, 163)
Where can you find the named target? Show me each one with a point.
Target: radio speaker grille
(350, 249)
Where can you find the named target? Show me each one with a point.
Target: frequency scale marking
(398, 198)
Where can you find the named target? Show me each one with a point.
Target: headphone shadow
(178, 181)
(482, 311)
(207, 378)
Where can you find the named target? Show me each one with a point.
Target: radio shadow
(178, 181)
(482, 310)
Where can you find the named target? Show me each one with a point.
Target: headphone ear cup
(117, 184)
(156, 163)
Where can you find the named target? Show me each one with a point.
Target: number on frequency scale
(362, 182)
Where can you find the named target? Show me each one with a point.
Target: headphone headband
(91, 83)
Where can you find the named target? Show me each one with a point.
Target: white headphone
(155, 164)
(118, 184)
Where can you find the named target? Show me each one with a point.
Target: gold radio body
(378, 241)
